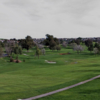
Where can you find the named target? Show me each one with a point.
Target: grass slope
(35, 76)
(88, 91)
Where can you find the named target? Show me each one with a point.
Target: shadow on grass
(91, 65)
(84, 71)
(87, 54)
(90, 91)
(59, 86)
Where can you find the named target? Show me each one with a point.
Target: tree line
(16, 47)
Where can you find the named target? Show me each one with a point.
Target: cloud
(62, 18)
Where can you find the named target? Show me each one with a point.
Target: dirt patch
(17, 61)
(65, 53)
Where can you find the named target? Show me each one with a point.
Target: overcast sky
(61, 18)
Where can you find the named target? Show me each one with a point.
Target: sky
(60, 18)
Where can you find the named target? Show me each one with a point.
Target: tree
(52, 45)
(72, 45)
(51, 42)
(97, 46)
(8, 50)
(90, 48)
(1, 51)
(40, 46)
(43, 51)
(26, 43)
(88, 42)
(17, 51)
(9, 47)
(20, 50)
(77, 41)
(48, 39)
(58, 47)
(57, 41)
(29, 42)
(2, 44)
(64, 44)
(95, 50)
(38, 52)
(12, 47)
(78, 48)
(11, 59)
(61, 41)
(22, 43)
(79, 38)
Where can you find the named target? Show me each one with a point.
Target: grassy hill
(35, 76)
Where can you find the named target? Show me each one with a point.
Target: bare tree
(96, 51)
(9, 47)
(64, 44)
(8, 50)
(43, 51)
(78, 48)
(40, 46)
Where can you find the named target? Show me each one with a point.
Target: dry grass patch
(65, 53)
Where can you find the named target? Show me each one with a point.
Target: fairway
(87, 91)
(34, 76)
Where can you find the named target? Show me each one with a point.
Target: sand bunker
(51, 62)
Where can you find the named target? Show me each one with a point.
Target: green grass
(88, 91)
(35, 76)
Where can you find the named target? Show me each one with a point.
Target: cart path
(63, 89)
